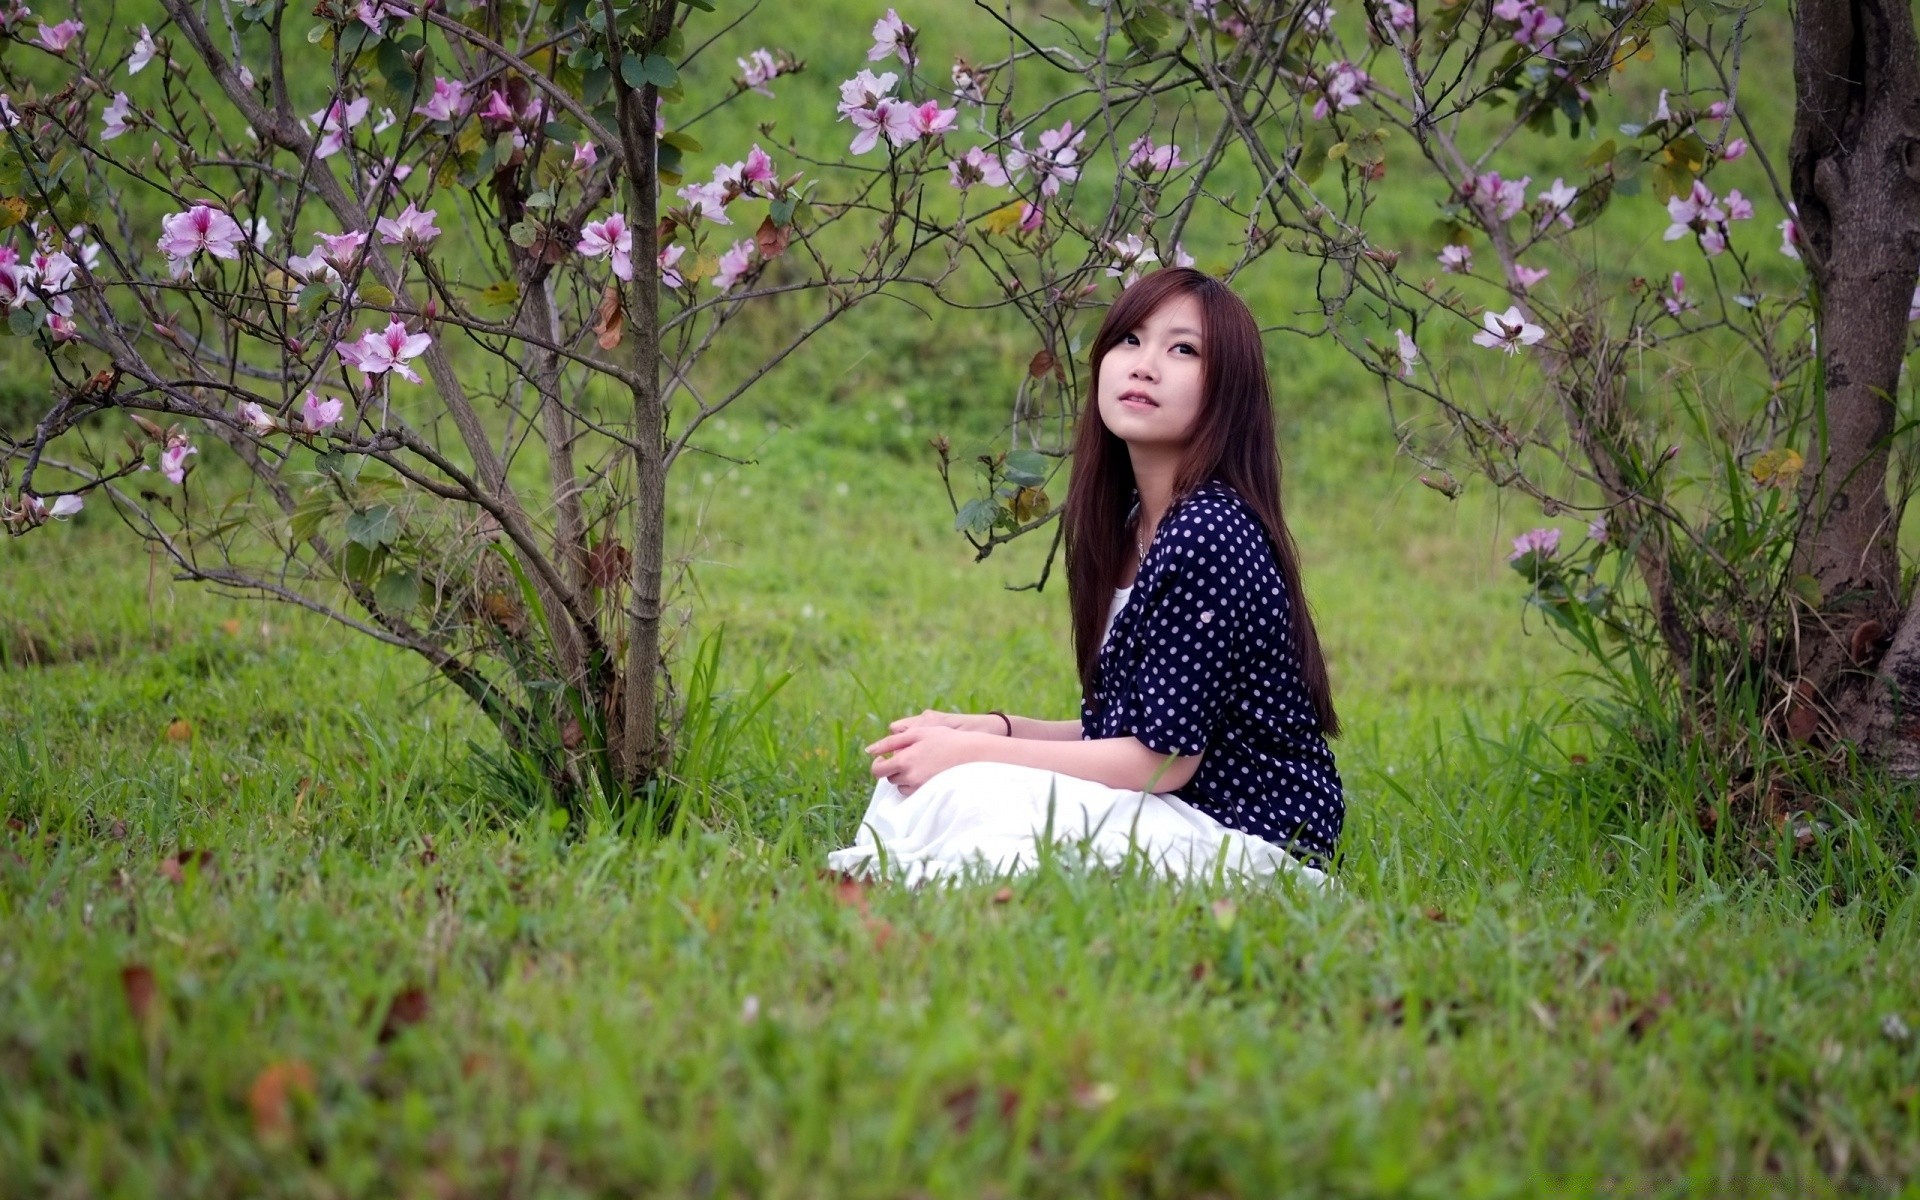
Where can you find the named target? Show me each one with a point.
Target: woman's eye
(1130, 339)
(1188, 348)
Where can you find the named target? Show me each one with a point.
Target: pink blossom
(1180, 256)
(1032, 216)
(448, 101)
(1148, 159)
(259, 232)
(1508, 331)
(585, 156)
(114, 117)
(1713, 240)
(733, 264)
(708, 201)
(16, 283)
(758, 168)
(411, 225)
(317, 415)
(9, 119)
(864, 90)
(757, 70)
(892, 36)
(1318, 18)
(1053, 162)
(1661, 112)
(173, 459)
(930, 120)
(1718, 110)
(374, 14)
(1542, 542)
(976, 166)
(1342, 87)
(1538, 27)
(1686, 212)
(65, 506)
(1408, 351)
(380, 351)
(342, 248)
(1399, 13)
(258, 419)
(1130, 253)
(1456, 259)
(1790, 233)
(1597, 528)
(334, 122)
(668, 256)
(1913, 306)
(201, 227)
(54, 275)
(968, 87)
(1526, 276)
(1735, 149)
(499, 108)
(58, 37)
(609, 237)
(143, 52)
(1678, 302)
(60, 327)
(1739, 208)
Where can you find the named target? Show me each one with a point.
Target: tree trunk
(1855, 163)
(634, 732)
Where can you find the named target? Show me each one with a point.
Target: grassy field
(271, 925)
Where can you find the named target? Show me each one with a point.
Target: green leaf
(21, 322)
(656, 69)
(375, 526)
(593, 87)
(310, 513)
(976, 517)
(684, 141)
(1147, 28)
(1028, 468)
(397, 591)
(1808, 589)
(376, 294)
(1601, 156)
(781, 210)
(361, 563)
(504, 294)
(524, 234)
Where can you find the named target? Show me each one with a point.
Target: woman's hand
(914, 755)
(934, 719)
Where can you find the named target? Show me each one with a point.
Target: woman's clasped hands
(919, 747)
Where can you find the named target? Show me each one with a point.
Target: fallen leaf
(608, 564)
(272, 1094)
(180, 730)
(175, 865)
(1003, 896)
(1041, 364)
(848, 889)
(137, 985)
(409, 1007)
(881, 930)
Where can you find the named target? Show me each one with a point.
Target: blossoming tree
(440, 280)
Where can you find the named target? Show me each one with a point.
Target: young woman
(1205, 707)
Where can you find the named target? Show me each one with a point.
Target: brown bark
(1855, 163)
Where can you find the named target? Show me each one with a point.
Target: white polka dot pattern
(1201, 659)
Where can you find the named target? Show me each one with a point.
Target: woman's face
(1150, 381)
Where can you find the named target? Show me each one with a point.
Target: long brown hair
(1232, 442)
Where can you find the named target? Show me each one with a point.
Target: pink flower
(499, 108)
(976, 166)
(317, 415)
(60, 327)
(733, 264)
(258, 419)
(892, 36)
(1678, 303)
(1399, 13)
(864, 90)
(1739, 208)
(930, 120)
(1342, 87)
(1456, 259)
(1526, 276)
(757, 70)
(1408, 351)
(668, 256)
(1597, 528)
(65, 506)
(1508, 331)
(708, 201)
(1913, 306)
(584, 156)
(9, 119)
(1130, 253)
(334, 122)
(1537, 28)
(1053, 162)
(1180, 256)
(1148, 159)
(58, 37)
(448, 101)
(411, 225)
(1542, 542)
(1718, 110)
(1790, 233)
(968, 87)
(1713, 240)
(758, 168)
(1319, 18)
(173, 460)
(609, 237)
(1559, 197)
(1031, 217)
(1735, 149)
(143, 52)
(201, 227)
(1684, 212)
(342, 248)
(16, 283)
(380, 351)
(259, 232)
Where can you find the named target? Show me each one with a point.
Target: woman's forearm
(1035, 729)
(1121, 762)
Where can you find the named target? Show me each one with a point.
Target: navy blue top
(1201, 659)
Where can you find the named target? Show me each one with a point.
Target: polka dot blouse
(1201, 660)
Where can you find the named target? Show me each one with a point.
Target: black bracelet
(994, 712)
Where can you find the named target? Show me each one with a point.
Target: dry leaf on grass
(410, 1006)
(271, 1097)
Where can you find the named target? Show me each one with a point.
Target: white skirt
(993, 818)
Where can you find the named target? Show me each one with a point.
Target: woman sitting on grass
(1205, 706)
